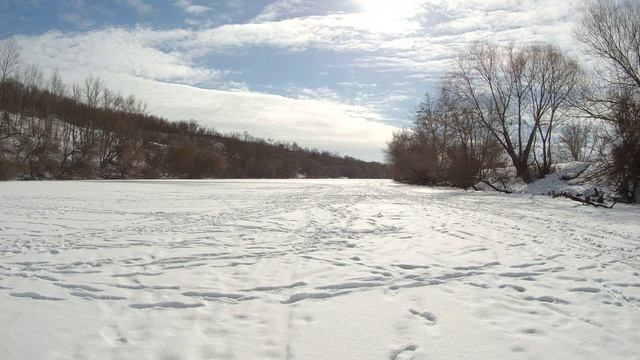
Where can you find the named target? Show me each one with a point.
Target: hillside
(96, 133)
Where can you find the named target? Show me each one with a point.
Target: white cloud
(197, 9)
(420, 44)
(136, 52)
(192, 9)
(287, 9)
(336, 32)
(281, 9)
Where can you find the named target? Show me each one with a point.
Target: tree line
(86, 131)
(528, 106)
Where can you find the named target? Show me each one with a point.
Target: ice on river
(312, 269)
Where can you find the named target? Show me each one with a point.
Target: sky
(335, 75)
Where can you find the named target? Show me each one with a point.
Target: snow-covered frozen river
(312, 269)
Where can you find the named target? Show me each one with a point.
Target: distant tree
(447, 145)
(56, 85)
(208, 163)
(9, 62)
(575, 139)
(76, 93)
(32, 78)
(93, 88)
(180, 159)
(56, 92)
(108, 145)
(86, 133)
(410, 161)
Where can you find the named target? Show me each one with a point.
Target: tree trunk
(522, 171)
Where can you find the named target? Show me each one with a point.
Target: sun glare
(392, 9)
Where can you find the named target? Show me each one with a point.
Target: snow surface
(312, 269)
(556, 182)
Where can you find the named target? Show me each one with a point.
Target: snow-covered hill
(307, 269)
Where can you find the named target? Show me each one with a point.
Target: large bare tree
(517, 94)
(552, 82)
(611, 31)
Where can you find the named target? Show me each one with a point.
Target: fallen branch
(495, 188)
(584, 201)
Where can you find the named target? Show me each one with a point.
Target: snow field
(312, 269)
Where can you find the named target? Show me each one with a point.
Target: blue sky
(338, 75)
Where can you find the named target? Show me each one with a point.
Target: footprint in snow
(402, 353)
(585, 289)
(92, 296)
(517, 288)
(547, 299)
(35, 296)
(530, 331)
(167, 305)
(431, 319)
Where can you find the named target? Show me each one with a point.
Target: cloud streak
(141, 6)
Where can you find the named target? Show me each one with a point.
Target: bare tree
(9, 59)
(108, 98)
(575, 139)
(9, 67)
(68, 147)
(516, 94)
(76, 93)
(9, 62)
(611, 30)
(489, 79)
(552, 81)
(108, 144)
(447, 145)
(407, 159)
(57, 90)
(93, 87)
(56, 86)
(32, 77)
